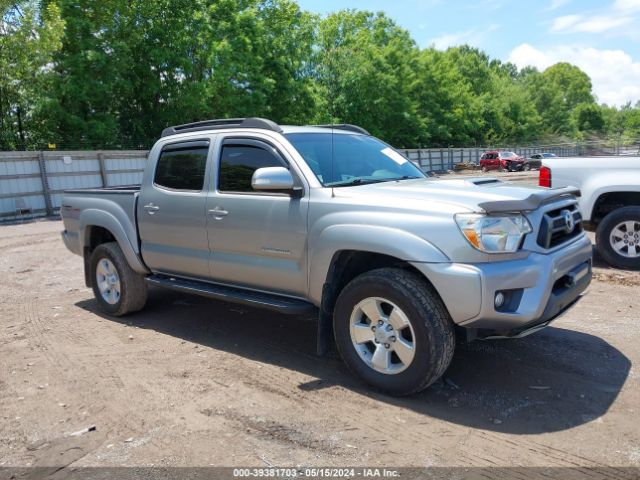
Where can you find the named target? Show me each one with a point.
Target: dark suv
(536, 160)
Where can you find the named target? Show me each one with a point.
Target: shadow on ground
(553, 380)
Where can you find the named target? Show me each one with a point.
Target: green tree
(130, 68)
(446, 103)
(29, 36)
(514, 117)
(631, 121)
(83, 108)
(259, 54)
(588, 118)
(466, 98)
(114, 73)
(557, 92)
(365, 74)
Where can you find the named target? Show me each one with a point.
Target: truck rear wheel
(618, 238)
(393, 331)
(118, 289)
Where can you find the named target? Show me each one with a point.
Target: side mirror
(272, 178)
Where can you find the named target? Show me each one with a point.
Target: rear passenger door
(171, 210)
(257, 239)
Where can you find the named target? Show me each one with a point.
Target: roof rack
(345, 126)
(252, 122)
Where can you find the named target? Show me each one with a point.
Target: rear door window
(182, 166)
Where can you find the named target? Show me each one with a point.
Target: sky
(601, 37)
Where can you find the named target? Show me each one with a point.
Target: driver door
(256, 238)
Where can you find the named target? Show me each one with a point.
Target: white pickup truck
(610, 201)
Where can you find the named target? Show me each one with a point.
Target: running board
(278, 303)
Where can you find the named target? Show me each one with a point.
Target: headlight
(493, 233)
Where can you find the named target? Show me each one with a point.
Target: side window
(483, 157)
(239, 161)
(182, 167)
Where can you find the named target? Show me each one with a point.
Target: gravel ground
(193, 382)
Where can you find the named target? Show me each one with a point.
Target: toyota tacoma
(332, 221)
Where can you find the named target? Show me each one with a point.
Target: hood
(473, 194)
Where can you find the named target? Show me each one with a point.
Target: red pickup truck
(498, 160)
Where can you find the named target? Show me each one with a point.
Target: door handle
(151, 208)
(218, 213)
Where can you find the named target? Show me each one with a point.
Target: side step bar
(225, 293)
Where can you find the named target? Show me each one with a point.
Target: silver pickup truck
(329, 220)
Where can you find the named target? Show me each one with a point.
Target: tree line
(114, 73)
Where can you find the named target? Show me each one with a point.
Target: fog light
(499, 300)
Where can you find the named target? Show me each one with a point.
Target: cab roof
(258, 123)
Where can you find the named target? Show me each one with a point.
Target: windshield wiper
(397, 179)
(356, 181)
(363, 181)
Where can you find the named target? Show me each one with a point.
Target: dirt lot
(195, 382)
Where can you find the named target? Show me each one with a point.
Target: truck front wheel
(618, 238)
(393, 331)
(117, 287)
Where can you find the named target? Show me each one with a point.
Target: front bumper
(546, 285)
(515, 165)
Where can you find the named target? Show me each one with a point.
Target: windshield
(344, 159)
(507, 154)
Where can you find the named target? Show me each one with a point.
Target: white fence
(441, 159)
(31, 183)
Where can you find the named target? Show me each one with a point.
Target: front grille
(554, 230)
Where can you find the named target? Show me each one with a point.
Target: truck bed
(113, 208)
(120, 189)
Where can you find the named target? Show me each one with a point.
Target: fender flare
(99, 218)
(605, 183)
(389, 241)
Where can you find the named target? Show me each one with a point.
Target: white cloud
(592, 24)
(627, 5)
(565, 22)
(610, 19)
(601, 24)
(526, 55)
(556, 4)
(489, 5)
(474, 36)
(614, 74)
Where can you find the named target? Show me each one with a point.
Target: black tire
(433, 328)
(133, 286)
(603, 233)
